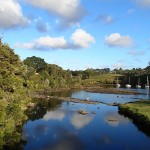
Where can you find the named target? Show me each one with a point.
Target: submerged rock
(112, 119)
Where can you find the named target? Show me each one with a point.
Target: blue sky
(79, 34)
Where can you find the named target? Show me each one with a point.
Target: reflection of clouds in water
(55, 115)
(79, 121)
(114, 119)
(40, 129)
(36, 132)
(106, 139)
(67, 140)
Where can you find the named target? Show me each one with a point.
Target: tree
(36, 62)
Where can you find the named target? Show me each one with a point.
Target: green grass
(103, 79)
(141, 108)
(139, 113)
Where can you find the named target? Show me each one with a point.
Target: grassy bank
(139, 112)
(102, 78)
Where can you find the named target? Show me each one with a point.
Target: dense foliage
(35, 62)
(13, 95)
(49, 76)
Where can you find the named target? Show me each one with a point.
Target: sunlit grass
(140, 108)
(103, 79)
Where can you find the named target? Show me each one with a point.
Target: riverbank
(69, 99)
(92, 89)
(139, 112)
(49, 94)
(109, 91)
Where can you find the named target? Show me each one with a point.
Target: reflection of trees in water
(40, 110)
(66, 93)
(15, 146)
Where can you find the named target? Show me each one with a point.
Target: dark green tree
(36, 62)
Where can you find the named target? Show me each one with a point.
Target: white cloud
(52, 42)
(130, 11)
(69, 11)
(82, 39)
(44, 43)
(107, 19)
(117, 40)
(136, 53)
(143, 3)
(11, 15)
(79, 121)
(25, 45)
(118, 65)
(54, 115)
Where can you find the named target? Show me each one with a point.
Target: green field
(102, 79)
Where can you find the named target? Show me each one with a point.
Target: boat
(147, 84)
(138, 85)
(128, 85)
(117, 84)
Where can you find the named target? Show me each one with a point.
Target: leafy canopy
(36, 62)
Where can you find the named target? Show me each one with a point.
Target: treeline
(14, 96)
(40, 75)
(107, 76)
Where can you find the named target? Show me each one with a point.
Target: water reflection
(105, 140)
(64, 140)
(112, 98)
(114, 119)
(61, 93)
(40, 110)
(54, 115)
(60, 127)
(79, 121)
(148, 93)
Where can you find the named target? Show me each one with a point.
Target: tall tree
(36, 62)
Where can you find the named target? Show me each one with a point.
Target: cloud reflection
(54, 115)
(79, 121)
(114, 119)
(35, 132)
(67, 140)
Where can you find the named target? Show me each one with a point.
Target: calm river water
(58, 126)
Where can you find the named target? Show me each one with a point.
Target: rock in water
(82, 112)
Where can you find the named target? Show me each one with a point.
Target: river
(56, 125)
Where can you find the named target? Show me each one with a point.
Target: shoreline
(92, 89)
(74, 100)
(111, 91)
(46, 94)
(137, 112)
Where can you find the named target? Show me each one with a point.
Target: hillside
(13, 95)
